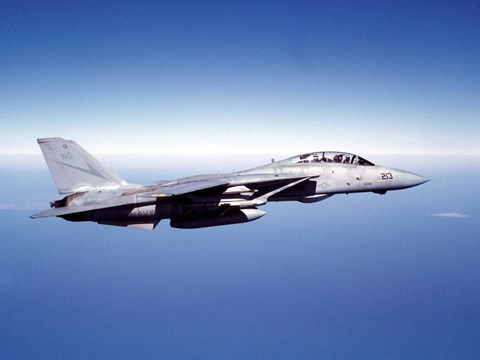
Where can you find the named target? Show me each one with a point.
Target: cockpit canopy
(331, 157)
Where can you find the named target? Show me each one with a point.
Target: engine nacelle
(230, 217)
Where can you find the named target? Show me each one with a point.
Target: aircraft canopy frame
(334, 157)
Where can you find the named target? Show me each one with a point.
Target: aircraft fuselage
(208, 200)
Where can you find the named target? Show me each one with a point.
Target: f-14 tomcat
(94, 193)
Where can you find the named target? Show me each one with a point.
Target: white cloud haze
(452, 215)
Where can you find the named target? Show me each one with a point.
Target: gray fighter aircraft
(97, 194)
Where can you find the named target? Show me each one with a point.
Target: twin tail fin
(73, 169)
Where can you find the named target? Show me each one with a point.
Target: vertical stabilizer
(73, 169)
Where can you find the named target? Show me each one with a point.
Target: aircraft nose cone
(412, 179)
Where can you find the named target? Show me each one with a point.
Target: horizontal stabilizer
(67, 210)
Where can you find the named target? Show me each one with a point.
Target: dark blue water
(357, 276)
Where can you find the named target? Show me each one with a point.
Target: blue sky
(241, 78)
(358, 276)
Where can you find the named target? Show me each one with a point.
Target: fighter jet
(94, 193)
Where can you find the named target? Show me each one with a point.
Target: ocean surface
(356, 276)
